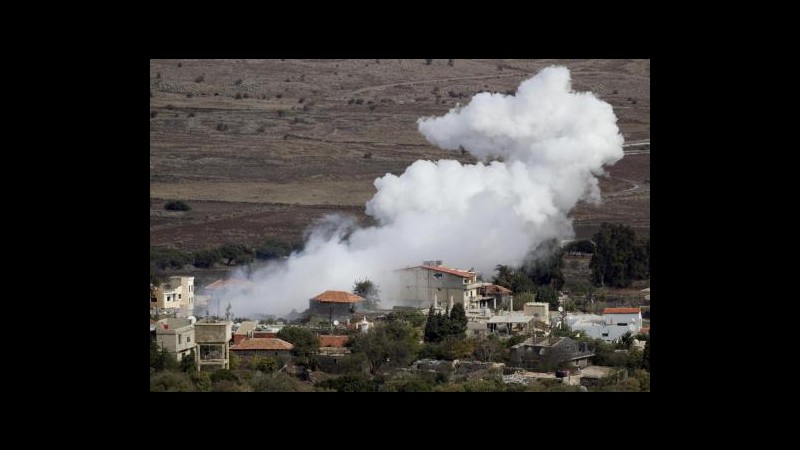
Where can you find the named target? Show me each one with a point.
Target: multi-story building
(176, 336)
(433, 284)
(212, 338)
(176, 293)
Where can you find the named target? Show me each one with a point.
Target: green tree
(163, 257)
(412, 316)
(350, 383)
(546, 270)
(224, 375)
(391, 344)
(625, 341)
(547, 294)
(207, 258)
(458, 321)
(369, 291)
(274, 248)
(235, 253)
(513, 279)
(306, 344)
(432, 333)
(646, 356)
(171, 382)
(618, 257)
(188, 363)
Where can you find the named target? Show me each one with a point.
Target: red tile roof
(224, 283)
(458, 273)
(622, 310)
(338, 297)
(262, 344)
(332, 341)
(494, 289)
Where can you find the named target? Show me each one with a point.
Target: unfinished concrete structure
(212, 341)
(433, 284)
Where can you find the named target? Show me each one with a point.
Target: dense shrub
(177, 205)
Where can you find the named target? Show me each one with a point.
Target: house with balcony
(213, 337)
(177, 293)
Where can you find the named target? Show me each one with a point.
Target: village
(516, 346)
(399, 225)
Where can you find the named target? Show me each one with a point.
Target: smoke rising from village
(541, 151)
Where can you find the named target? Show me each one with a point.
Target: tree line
(619, 257)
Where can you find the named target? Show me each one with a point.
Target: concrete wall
(634, 320)
(418, 287)
(608, 333)
(212, 331)
(212, 340)
(538, 308)
(176, 292)
(178, 338)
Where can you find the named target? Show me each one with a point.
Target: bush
(177, 205)
(428, 62)
(200, 79)
(191, 114)
(171, 382)
(222, 127)
(206, 258)
(153, 114)
(163, 257)
(274, 248)
(368, 155)
(238, 96)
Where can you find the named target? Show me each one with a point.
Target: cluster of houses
(489, 309)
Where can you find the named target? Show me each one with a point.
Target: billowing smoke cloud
(547, 144)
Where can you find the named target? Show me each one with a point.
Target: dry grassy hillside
(260, 148)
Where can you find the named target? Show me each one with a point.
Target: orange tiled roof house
(333, 305)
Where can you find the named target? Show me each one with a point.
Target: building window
(180, 295)
(188, 339)
(605, 334)
(180, 339)
(622, 324)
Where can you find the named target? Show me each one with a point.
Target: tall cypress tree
(432, 327)
(458, 321)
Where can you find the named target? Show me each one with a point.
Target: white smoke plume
(550, 144)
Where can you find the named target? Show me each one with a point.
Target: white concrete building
(176, 336)
(611, 326)
(176, 293)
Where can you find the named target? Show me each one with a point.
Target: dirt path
(437, 80)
